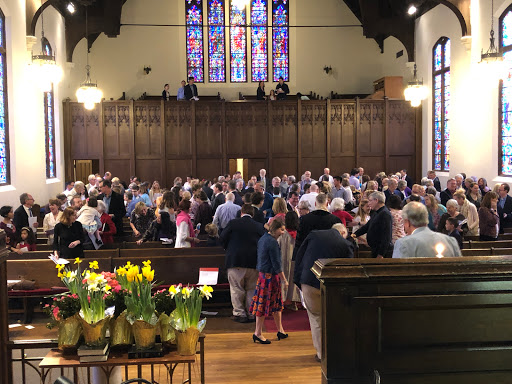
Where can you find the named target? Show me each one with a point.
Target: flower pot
(69, 334)
(167, 334)
(186, 341)
(94, 334)
(120, 332)
(144, 334)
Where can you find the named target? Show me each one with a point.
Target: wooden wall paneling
(356, 132)
(209, 168)
(402, 136)
(342, 121)
(101, 146)
(246, 130)
(419, 148)
(178, 127)
(255, 165)
(92, 133)
(223, 137)
(67, 140)
(208, 123)
(299, 142)
(78, 131)
(314, 118)
(283, 119)
(163, 160)
(285, 165)
(193, 138)
(386, 134)
(148, 141)
(371, 136)
(271, 169)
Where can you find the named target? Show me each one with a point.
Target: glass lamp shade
(495, 66)
(416, 93)
(45, 72)
(89, 94)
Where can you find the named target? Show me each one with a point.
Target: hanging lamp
(415, 92)
(44, 66)
(88, 93)
(493, 57)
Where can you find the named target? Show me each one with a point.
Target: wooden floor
(231, 357)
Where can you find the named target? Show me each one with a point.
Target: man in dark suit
(240, 240)
(504, 207)
(218, 197)
(447, 194)
(432, 176)
(232, 188)
(378, 228)
(114, 203)
(264, 179)
(207, 189)
(325, 244)
(268, 200)
(319, 219)
(23, 212)
(406, 177)
(191, 89)
(282, 89)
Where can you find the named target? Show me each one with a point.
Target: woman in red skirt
(267, 297)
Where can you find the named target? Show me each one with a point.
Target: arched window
(280, 38)
(49, 122)
(441, 103)
(259, 40)
(505, 118)
(238, 38)
(195, 54)
(216, 42)
(4, 118)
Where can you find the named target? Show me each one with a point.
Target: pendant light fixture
(493, 57)
(44, 67)
(88, 93)
(415, 92)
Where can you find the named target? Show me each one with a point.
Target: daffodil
(206, 291)
(107, 288)
(59, 266)
(139, 278)
(172, 291)
(147, 263)
(77, 260)
(121, 271)
(93, 264)
(148, 273)
(186, 292)
(128, 265)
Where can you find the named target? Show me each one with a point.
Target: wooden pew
(487, 244)
(504, 236)
(416, 321)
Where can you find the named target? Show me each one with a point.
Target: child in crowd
(213, 235)
(90, 219)
(451, 228)
(28, 240)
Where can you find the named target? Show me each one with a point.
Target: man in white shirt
(310, 197)
(69, 187)
(327, 172)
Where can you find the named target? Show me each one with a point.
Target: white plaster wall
(474, 90)
(26, 121)
(117, 63)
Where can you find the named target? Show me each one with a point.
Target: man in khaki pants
(324, 244)
(240, 240)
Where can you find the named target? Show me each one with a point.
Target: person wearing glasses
(68, 237)
(24, 211)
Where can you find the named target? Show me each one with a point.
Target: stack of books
(92, 354)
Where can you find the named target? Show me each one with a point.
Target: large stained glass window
(195, 54)
(4, 122)
(238, 40)
(441, 90)
(49, 122)
(259, 40)
(280, 39)
(505, 131)
(216, 42)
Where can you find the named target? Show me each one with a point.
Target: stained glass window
(216, 42)
(238, 39)
(4, 121)
(280, 39)
(505, 131)
(259, 40)
(441, 102)
(49, 122)
(195, 55)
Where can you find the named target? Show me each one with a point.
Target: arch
(38, 13)
(500, 28)
(461, 9)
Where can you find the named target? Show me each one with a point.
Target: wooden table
(55, 359)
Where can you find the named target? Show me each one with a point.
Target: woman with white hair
(469, 211)
(337, 208)
(452, 208)
(78, 190)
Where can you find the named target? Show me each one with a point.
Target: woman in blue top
(267, 297)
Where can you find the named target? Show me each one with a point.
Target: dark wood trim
(386, 132)
(357, 122)
(163, 146)
(194, 138)
(299, 140)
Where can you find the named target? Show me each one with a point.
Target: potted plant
(140, 304)
(63, 312)
(185, 321)
(165, 306)
(121, 335)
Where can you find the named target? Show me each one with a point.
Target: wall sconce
(327, 69)
(147, 70)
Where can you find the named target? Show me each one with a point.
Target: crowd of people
(273, 229)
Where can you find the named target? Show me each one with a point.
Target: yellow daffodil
(147, 263)
(61, 275)
(77, 260)
(121, 271)
(172, 291)
(139, 278)
(59, 266)
(206, 291)
(186, 292)
(148, 273)
(128, 265)
(107, 288)
(93, 265)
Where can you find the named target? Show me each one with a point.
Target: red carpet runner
(293, 321)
